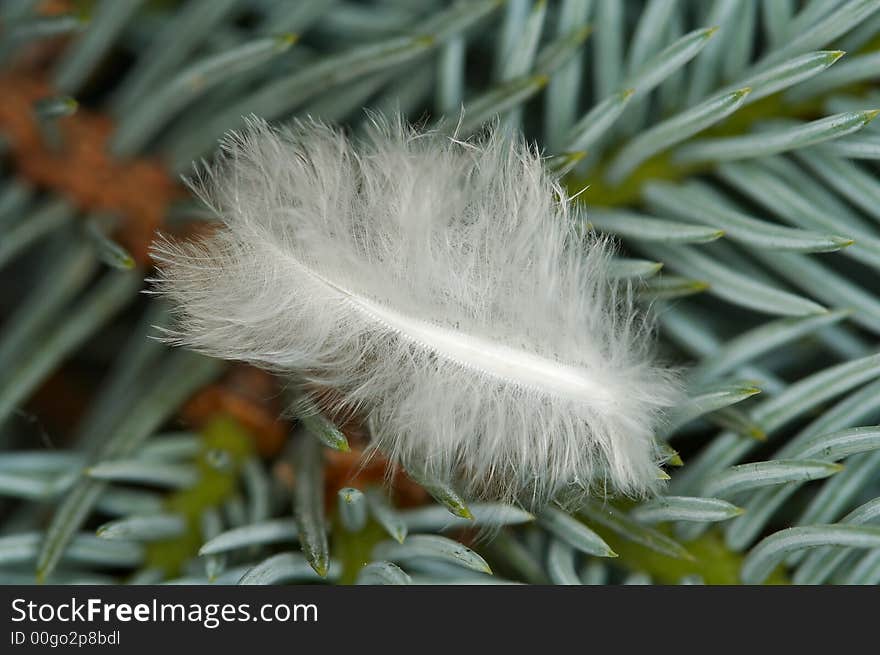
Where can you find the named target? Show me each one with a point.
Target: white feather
(443, 289)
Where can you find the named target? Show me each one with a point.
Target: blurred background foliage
(728, 144)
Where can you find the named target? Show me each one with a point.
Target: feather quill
(444, 288)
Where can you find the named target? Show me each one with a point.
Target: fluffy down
(443, 288)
